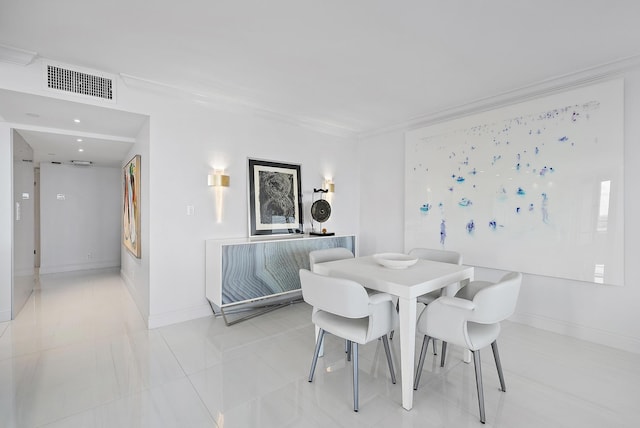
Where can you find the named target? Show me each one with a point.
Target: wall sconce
(218, 181)
(329, 186)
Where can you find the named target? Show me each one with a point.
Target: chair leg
(317, 329)
(354, 348)
(348, 350)
(496, 356)
(315, 354)
(423, 354)
(385, 341)
(444, 353)
(435, 348)
(477, 365)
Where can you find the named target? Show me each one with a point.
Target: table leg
(407, 349)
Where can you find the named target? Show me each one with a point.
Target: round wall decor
(321, 210)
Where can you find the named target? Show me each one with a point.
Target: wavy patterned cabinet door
(243, 271)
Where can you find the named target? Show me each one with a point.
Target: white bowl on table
(395, 260)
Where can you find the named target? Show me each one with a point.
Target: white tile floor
(79, 355)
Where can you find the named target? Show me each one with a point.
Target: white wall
(79, 217)
(381, 161)
(605, 314)
(136, 271)
(6, 221)
(186, 139)
(23, 224)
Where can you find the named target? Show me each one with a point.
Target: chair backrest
(443, 256)
(328, 255)
(496, 302)
(335, 295)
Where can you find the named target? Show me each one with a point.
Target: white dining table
(407, 284)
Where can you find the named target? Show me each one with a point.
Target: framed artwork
(275, 198)
(131, 206)
(536, 187)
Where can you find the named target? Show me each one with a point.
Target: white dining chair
(343, 308)
(328, 255)
(443, 256)
(470, 319)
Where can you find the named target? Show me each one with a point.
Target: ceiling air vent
(80, 82)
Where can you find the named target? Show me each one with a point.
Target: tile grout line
(213, 419)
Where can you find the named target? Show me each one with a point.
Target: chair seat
(354, 329)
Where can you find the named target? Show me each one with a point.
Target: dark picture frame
(275, 198)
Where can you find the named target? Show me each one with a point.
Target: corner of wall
(137, 298)
(6, 222)
(174, 317)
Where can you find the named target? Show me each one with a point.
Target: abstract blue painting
(535, 186)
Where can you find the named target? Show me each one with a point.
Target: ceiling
(353, 66)
(62, 131)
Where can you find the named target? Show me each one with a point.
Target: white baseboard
(173, 317)
(602, 337)
(137, 299)
(24, 271)
(79, 266)
(167, 318)
(5, 315)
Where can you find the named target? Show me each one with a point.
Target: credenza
(250, 272)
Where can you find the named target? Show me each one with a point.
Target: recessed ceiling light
(81, 150)
(76, 120)
(79, 140)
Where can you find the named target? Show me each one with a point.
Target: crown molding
(16, 56)
(230, 103)
(535, 90)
